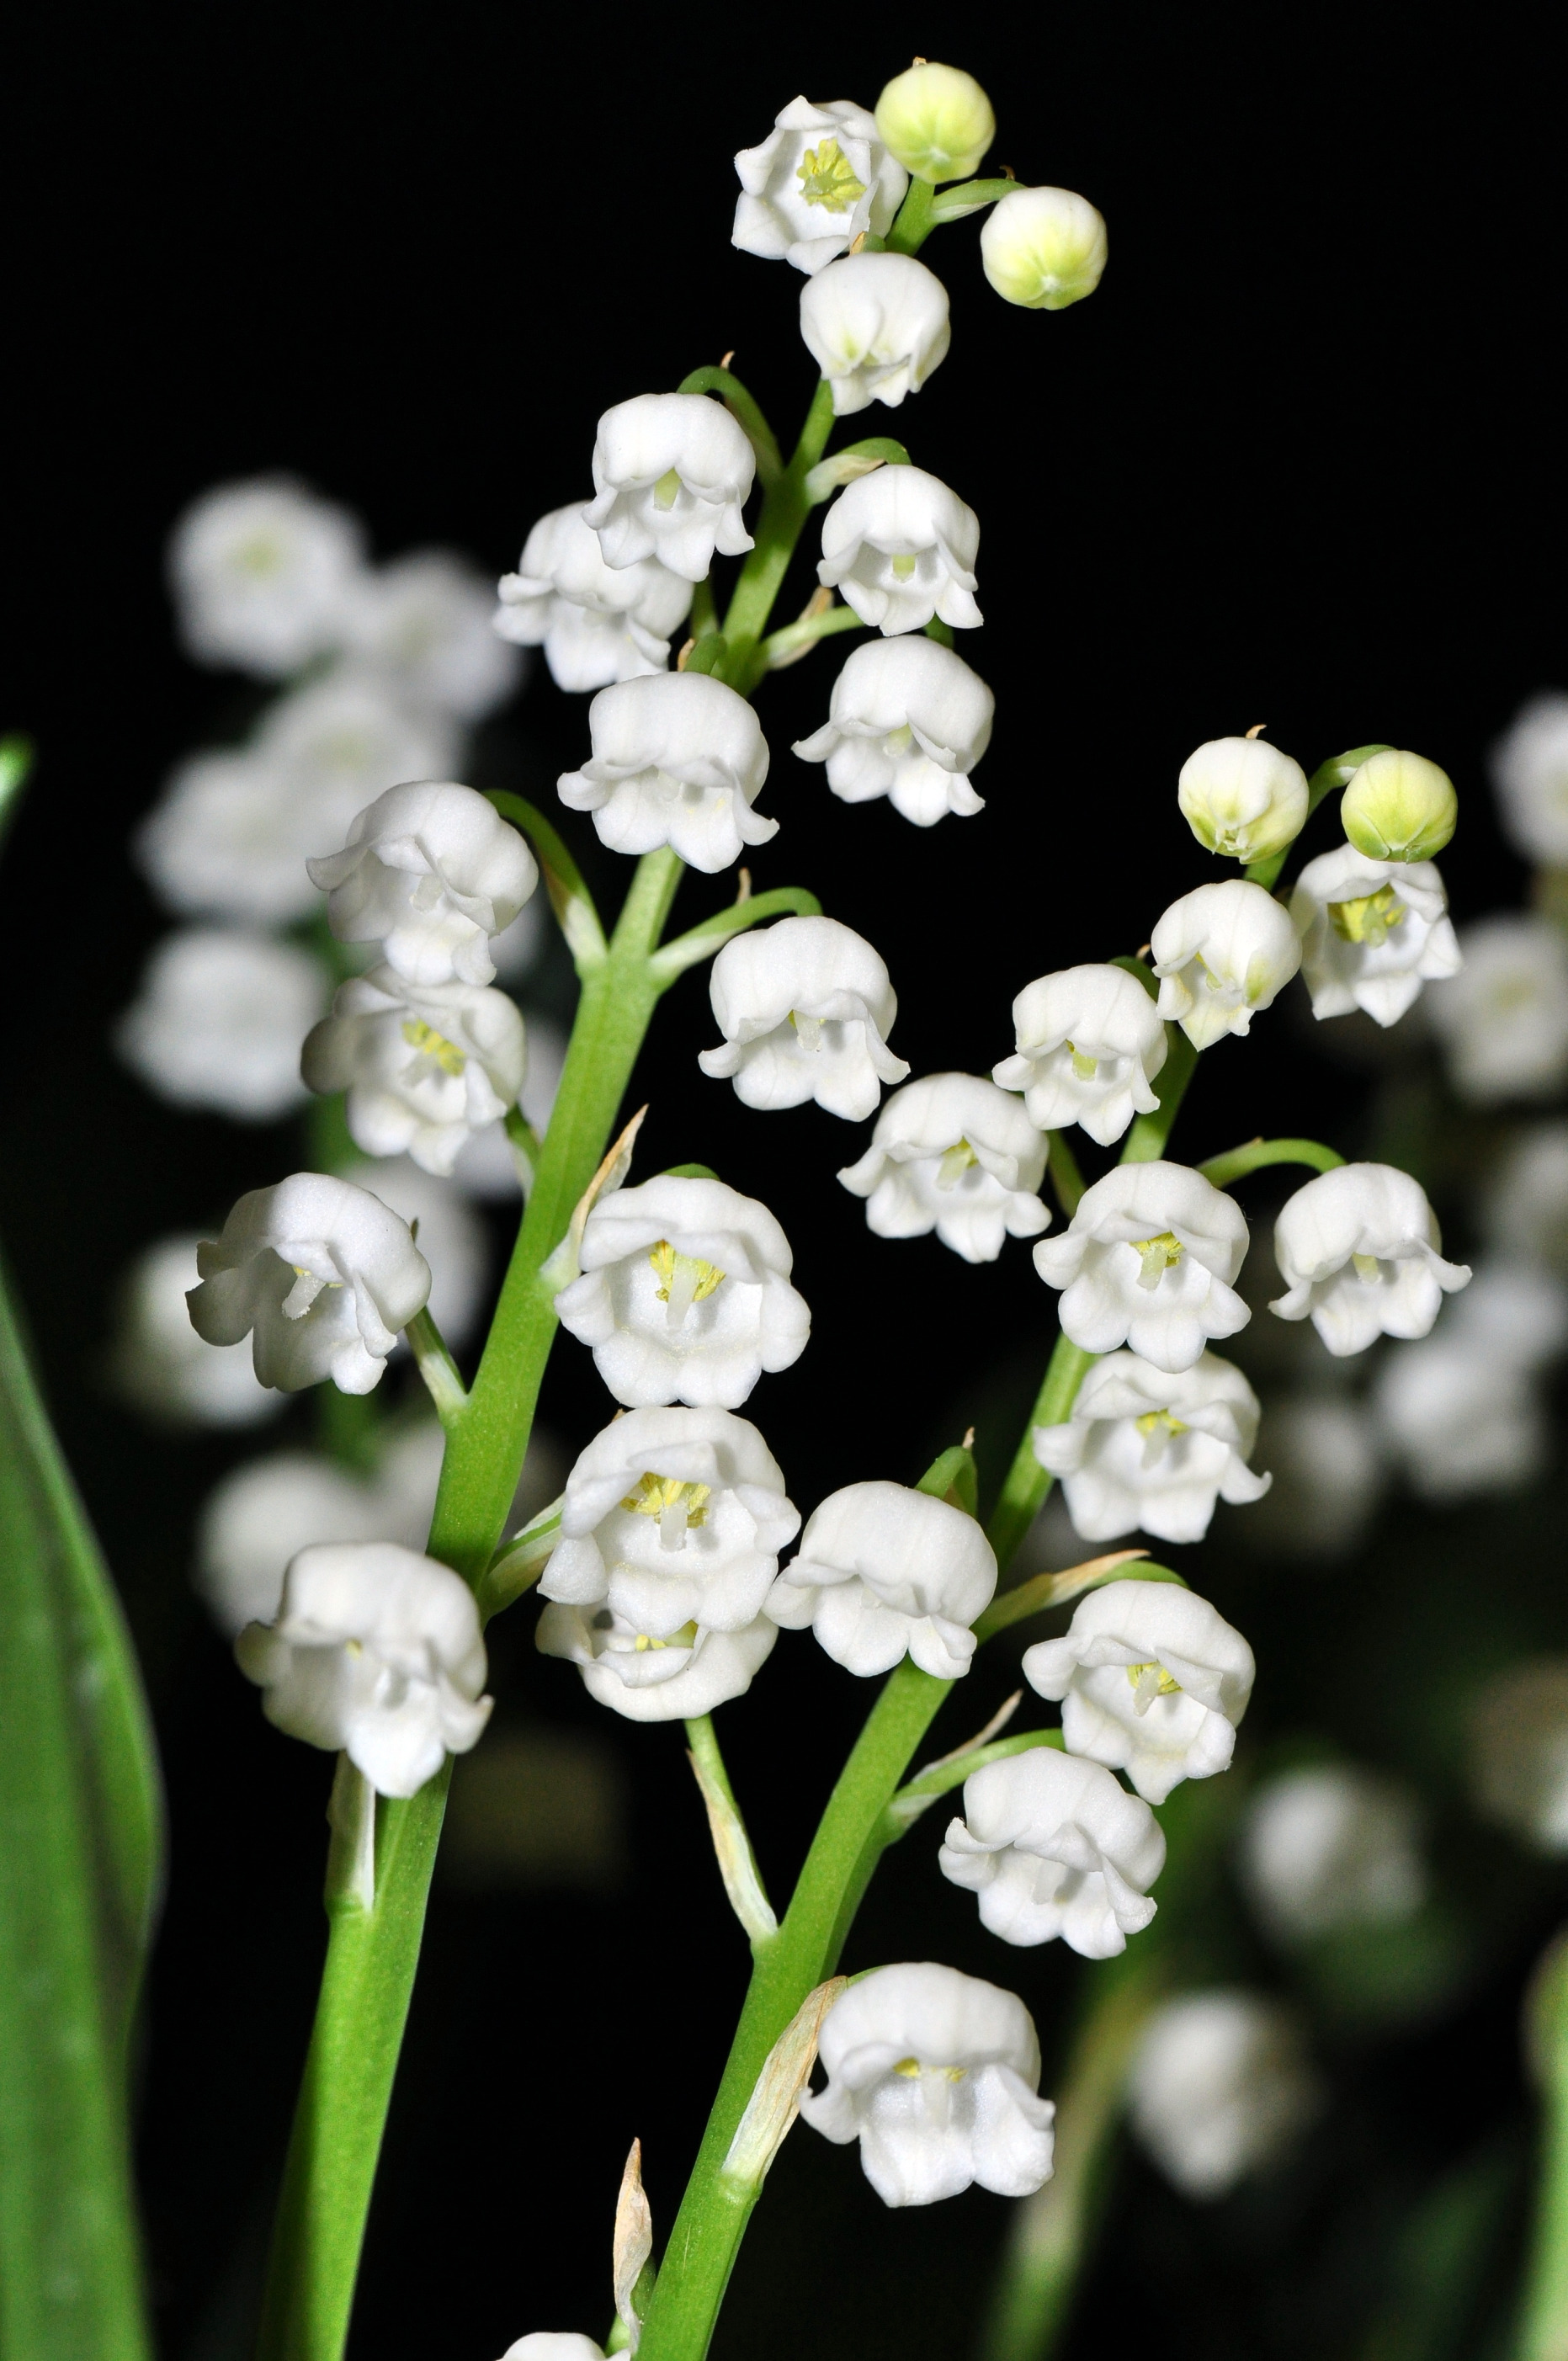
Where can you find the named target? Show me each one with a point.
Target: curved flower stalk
(1054, 1846)
(907, 719)
(955, 1155)
(804, 1009)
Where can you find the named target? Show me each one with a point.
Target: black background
(1299, 461)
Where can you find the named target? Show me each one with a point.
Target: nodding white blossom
(1530, 770)
(1327, 1474)
(1152, 1680)
(1219, 2088)
(938, 2075)
(647, 1679)
(1044, 248)
(1242, 797)
(1221, 954)
(678, 759)
(1372, 933)
(1145, 1449)
(425, 620)
(431, 871)
(883, 1572)
(671, 473)
(820, 180)
(684, 1294)
(262, 574)
(1054, 1845)
(1331, 1845)
(486, 1166)
(1148, 1260)
(936, 120)
(1358, 1249)
(1525, 1208)
(453, 1238)
(1518, 1758)
(901, 548)
(909, 720)
(1462, 1411)
(219, 1020)
(553, 2345)
(322, 1272)
(424, 1067)
(1503, 1021)
(1090, 1041)
(596, 623)
(376, 1650)
(804, 1007)
(953, 1154)
(161, 1367)
(876, 325)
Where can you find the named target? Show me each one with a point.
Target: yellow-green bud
(1399, 806)
(936, 121)
(1044, 248)
(1243, 798)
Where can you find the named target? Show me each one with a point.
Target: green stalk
(1543, 2327)
(785, 510)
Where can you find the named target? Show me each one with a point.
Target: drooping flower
(1462, 1411)
(1055, 1846)
(901, 548)
(452, 1236)
(936, 120)
(1044, 248)
(1220, 2087)
(883, 1572)
(804, 1007)
(431, 872)
(1242, 797)
(424, 621)
(1357, 1248)
(1145, 1449)
(1090, 1041)
(909, 720)
(161, 1367)
(325, 1275)
(1331, 1845)
(1502, 1020)
(219, 1020)
(1149, 1260)
(648, 1679)
(1372, 933)
(424, 1066)
(938, 2075)
(1518, 1761)
(671, 473)
(376, 1650)
(684, 1294)
(953, 1154)
(1221, 954)
(596, 623)
(1530, 770)
(1152, 1680)
(820, 180)
(678, 759)
(876, 325)
(262, 573)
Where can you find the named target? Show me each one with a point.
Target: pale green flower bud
(1243, 798)
(936, 121)
(1399, 806)
(1044, 248)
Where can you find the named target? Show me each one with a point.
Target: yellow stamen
(912, 2070)
(678, 1507)
(903, 566)
(685, 1637)
(424, 1037)
(1150, 1681)
(687, 1280)
(1084, 1067)
(1158, 1255)
(1369, 918)
(956, 1162)
(827, 178)
(666, 491)
(1365, 1265)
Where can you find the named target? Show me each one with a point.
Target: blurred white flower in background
(219, 1020)
(1220, 2087)
(907, 719)
(1372, 933)
(262, 574)
(820, 180)
(1502, 1020)
(425, 622)
(451, 1237)
(954, 1154)
(1518, 1731)
(1530, 770)
(1463, 1411)
(1331, 1845)
(876, 325)
(1146, 1449)
(1328, 1474)
(596, 623)
(161, 1365)
(1525, 1209)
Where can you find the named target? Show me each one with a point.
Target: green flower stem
(702, 940)
(1337, 772)
(784, 512)
(963, 197)
(747, 411)
(787, 645)
(1065, 1178)
(1237, 1162)
(916, 219)
(1543, 2327)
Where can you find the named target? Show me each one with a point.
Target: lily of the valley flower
(938, 2075)
(818, 181)
(1242, 797)
(1462, 1409)
(1147, 1451)
(936, 120)
(672, 472)
(1221, 954)
(424, 1067)
(376, 1650)
(1529, 770)
(596, 623)
(1150, 1260)
(901, 548)
(644, 1678)
(1090, 1041)
(678, 759)
(553, 2345)
(953, 1154)
(804, 1007)
(883, 1572)
(425, 622)
(219, 1019)
(262, 574)
(322, 1272)
(1503, 1021)
(684, 1294)
(1152, 1681)
(1044, 248)
(1055, 1846)
(1372, 933)
(1219, 2087)
(1330, 1846)
(1358, 1249)
(1398, 807)
(876, 325)
(161, 1367)
(1518, 1731)
(431, 872)
(909, 720)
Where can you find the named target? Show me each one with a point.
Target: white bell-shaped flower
(1331, 1845)
(596, 623)
(1149, 1260)
(1463, 1411)
(1221, 954)
(684, 1294)
(1503, 1021)
(1152, 1681)
(804, 1007)
(424, 1066)
(672, 472)
(883, 1572)
(376, 1650)
(161, 1367)
(262, 574)
(1044, 248)
(901, 548)
(323, 1275)
(1146, 1451)
(677, 759)
(938, 2075)
(425, 622)
(909, 720)
(1358, 1249)
(820, 180)
(431, 872)
(876, 325)
(453, 1238)
(1242, 797)
(953, 1154)
(1219, 2088)
(1519, 1760)
(645, 1678)
(553, 2345)
(219, 1020)
(1372, 933)
(1530, 770)
(1090, 1041)
(1055, 1846)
